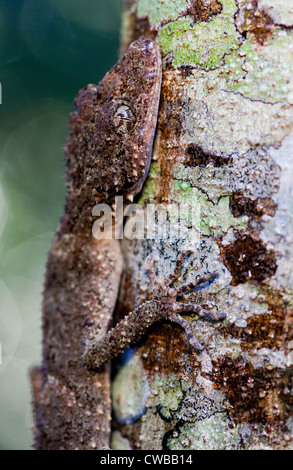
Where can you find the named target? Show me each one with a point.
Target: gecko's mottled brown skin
(112, 133)
(108, 153)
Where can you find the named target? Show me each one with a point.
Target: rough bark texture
(224, 144)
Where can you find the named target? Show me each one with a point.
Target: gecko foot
(165, 305)
(170, 306)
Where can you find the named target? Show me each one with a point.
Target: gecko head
(113, 127)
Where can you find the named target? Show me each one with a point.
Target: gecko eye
(122, 118)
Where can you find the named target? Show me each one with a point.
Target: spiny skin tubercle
(163, 306)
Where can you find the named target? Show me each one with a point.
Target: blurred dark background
(49, 49)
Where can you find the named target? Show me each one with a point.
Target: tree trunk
(222, 153)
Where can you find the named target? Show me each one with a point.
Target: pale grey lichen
(263, 74)
(231, 123)
(216, 432)
(280, 11)
(279, 230)
(162, 11)
(130, 390)
(118, 442)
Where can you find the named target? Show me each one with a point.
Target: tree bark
(223, 146)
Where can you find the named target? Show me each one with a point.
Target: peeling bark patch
(170, 127)
(248, 259)
(260, 395)
(262, 331)
(202, 10)
(250, 20)
(241, 205)
(170, 114)
(167, 349)
(186, 71)
(198, 157)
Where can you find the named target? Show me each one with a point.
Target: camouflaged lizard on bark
(108, 153)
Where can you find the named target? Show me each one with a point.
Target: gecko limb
(163, 306)
(122, 336)
(187, 328)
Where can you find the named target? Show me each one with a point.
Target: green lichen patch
(118, 442)
(167, 393)
(159, 11)
(218, 180)
(151, 186)
(263, 73)
(214, 433)
(216, 218)
(203, 44)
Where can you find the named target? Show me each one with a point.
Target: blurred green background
(48, 51)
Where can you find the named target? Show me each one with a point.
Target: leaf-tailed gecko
(108, 153)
